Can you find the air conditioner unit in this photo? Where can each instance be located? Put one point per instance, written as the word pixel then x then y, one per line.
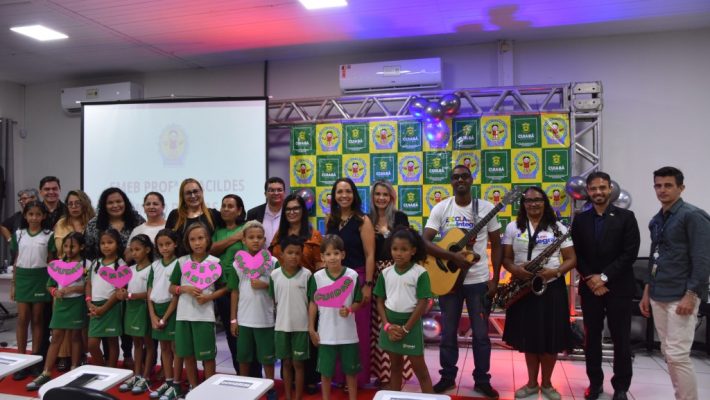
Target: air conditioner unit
pixel 422 73
pixel 73 97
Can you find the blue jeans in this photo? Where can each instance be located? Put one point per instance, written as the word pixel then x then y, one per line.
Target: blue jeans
pixel 451 307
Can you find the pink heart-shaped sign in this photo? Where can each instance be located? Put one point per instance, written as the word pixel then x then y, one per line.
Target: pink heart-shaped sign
pixel 335 294
pixel 65 273
pixel 201 275
pixel 253 266
pixel 118 277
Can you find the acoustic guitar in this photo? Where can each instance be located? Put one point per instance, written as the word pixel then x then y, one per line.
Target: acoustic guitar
pixel 444 275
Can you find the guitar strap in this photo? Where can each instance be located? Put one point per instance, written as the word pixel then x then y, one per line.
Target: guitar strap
pixel 474 208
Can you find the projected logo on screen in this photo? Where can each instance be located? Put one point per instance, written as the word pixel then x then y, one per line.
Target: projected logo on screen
pixel 173 143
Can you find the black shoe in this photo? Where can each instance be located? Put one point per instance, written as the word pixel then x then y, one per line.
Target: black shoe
pixel 618 395
pixel 37 369
pixel 592 392
pixel 63 364
pixel 21 374
pixel 311 388
pixel 443 385
pixel 486 389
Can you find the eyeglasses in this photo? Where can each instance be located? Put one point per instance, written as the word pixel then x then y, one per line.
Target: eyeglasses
pixel 293 210
pixel 73 204
pixel 25 199
pixel 275 191
pixel 193 192
pixel 463 176
pixel 533 200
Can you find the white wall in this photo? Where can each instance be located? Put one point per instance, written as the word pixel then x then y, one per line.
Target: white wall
pixel 12 106
pixel 654 91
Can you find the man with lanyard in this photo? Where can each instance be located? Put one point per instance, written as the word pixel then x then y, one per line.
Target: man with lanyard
pixel 463 212
pixel 269 213
pixel 606 239
pixel 679 267
pixel 50 190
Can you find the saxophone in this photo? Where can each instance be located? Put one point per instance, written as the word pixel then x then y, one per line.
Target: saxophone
pixel 516 289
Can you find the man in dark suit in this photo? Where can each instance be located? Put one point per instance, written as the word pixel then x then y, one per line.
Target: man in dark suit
pixel 606 239
pixel 269 213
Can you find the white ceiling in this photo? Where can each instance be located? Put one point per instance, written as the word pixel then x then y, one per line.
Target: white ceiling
pixel 112 37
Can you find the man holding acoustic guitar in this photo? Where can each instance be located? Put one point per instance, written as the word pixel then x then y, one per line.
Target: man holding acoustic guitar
pixel 458 270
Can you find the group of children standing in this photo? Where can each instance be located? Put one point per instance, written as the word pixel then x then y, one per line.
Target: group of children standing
pixel 277 306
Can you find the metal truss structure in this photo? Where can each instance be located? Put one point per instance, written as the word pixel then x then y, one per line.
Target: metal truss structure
pixel 582 101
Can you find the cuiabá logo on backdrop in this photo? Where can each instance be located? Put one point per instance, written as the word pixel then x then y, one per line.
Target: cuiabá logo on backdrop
pixel 495 193
pixel 303 171
pixel 527 165
pixel 383 136
pixel 329 138
pixel 324 200
pixel 436 194
pixel 471 161
pixel 410 199
pixel 355 169
pixel 495 132
pixel 556 130
pixel 410 168
pixel 173 145
pixel 558 197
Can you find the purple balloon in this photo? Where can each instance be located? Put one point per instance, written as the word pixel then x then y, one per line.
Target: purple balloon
pixel 433 112
pixel 417 106
pixel 450 103
pixel 437 133
pixel 307 195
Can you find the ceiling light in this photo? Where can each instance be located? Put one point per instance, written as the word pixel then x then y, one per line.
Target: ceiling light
pixel 39 32
pixel 317 4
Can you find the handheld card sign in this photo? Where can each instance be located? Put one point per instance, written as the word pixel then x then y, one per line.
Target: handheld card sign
pixel 201 275
pixel 335 294
pixel 65 273
pixel 118 277
pixel 253 266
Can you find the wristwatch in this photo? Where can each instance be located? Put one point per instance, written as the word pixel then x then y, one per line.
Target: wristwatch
pixel 603 277
pixel 370 283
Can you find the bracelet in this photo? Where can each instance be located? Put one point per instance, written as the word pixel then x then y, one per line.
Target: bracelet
pixel 129 295
pixel 387 327
pixel 350 310
pixel 692 293
pixel 53 291
pixel 177 289
pixel 405 329
pixel 234 321
pixel 87 299
pixel 162 322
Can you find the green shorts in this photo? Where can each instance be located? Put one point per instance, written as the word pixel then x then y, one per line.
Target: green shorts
pixel 195 338
pixel 349 358
pixel 108 325
pixel 411 345
pixel 136 321
pixel 168 332
pixel 291 345
pixel 255 340
pixel 69 313
pixel 31 285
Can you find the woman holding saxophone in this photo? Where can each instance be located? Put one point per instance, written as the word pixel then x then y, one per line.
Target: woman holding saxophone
pixel 538 323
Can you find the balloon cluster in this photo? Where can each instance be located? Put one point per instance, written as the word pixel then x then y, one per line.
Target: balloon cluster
pixel 434 114
pixel 576 188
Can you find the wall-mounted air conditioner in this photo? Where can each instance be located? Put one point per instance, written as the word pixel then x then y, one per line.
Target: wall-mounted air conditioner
pixel 73 97
pixel 422 73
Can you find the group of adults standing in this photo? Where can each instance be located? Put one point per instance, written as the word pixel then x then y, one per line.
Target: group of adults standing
pixel 604 244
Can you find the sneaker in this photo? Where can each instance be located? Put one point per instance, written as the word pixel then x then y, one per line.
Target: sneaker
pixel 21 374
pixel 159 391
pixel 271 395
pixel 486 390
pixel 127 385
pixel 550 393
pixel 170 394
pixel 38 382
pixel 140 386
pixel 444 385
pixel 526 391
